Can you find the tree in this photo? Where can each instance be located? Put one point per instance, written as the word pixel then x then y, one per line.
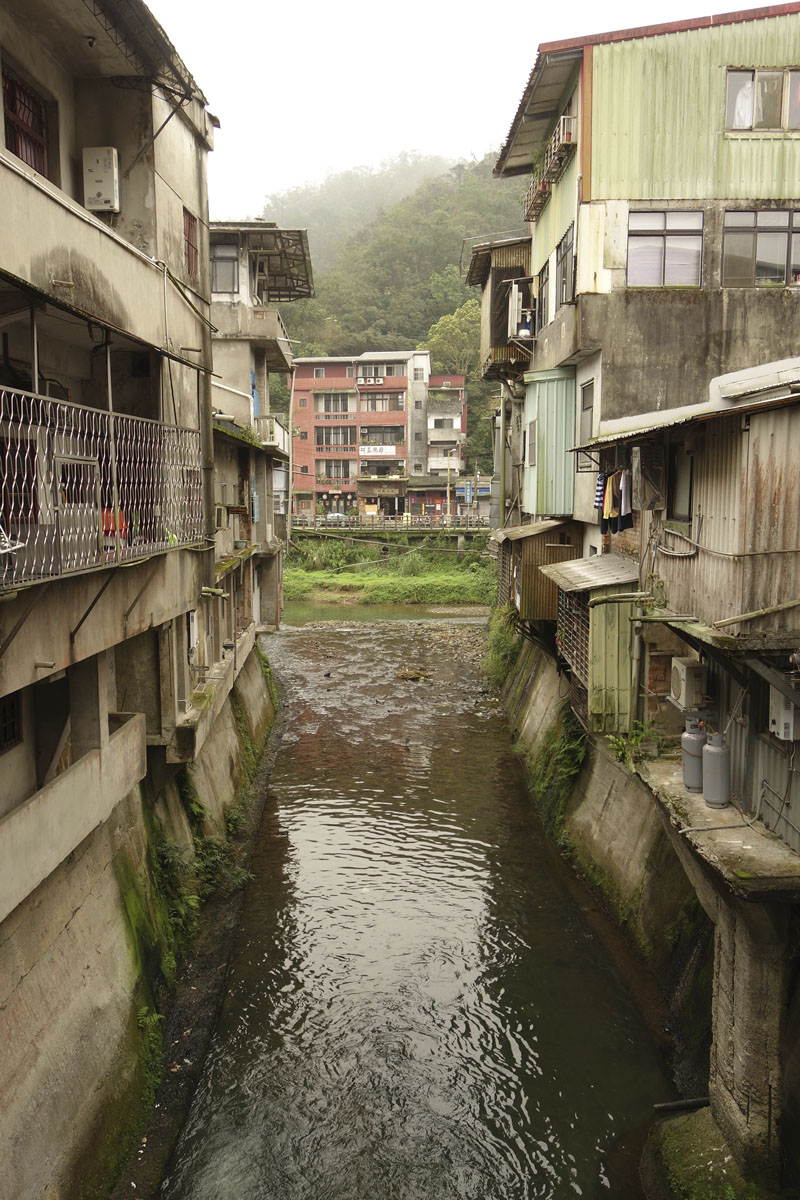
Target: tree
pixel 455 341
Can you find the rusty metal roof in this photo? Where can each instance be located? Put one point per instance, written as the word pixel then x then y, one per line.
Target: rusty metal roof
pixel 585 574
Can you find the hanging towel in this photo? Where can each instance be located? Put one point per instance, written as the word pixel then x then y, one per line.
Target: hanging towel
pixel 600 490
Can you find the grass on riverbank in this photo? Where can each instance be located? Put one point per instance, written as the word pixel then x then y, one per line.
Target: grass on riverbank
pixel 370 572
pixel 379 586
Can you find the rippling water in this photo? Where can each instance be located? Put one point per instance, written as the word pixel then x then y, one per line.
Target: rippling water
pixel 416 1008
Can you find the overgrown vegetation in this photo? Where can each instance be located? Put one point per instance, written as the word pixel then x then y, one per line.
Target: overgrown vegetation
pixel 503 645
pixel 390 573
pixel 554 767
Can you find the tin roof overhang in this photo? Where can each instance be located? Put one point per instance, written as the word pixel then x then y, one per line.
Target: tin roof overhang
pixel 538 109
pixel 585 574
pixel 769 386
pixel 518 532
pixel 481 261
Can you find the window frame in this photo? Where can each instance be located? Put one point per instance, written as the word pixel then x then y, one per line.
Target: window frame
pixel 16 127
pixel 11 733
pixel 228 260
pixel 659 229
pixel 565 268
pixel 191 244
pixel 543 286
pixel 791 230
pixel 784 124
pixel 585 462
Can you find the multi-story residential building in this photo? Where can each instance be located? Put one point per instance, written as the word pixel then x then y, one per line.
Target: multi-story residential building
pixel 647 365
pixel 376 434
pixel 254 265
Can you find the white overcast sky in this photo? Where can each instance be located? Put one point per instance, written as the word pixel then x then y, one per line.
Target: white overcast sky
pixel 307 88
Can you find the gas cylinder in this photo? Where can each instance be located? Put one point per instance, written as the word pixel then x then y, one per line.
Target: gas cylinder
pixel 693 739
pixel 716 772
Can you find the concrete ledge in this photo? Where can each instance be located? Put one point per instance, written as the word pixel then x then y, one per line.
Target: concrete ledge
pixel 192 731
pixel 43 830
pixel 751 860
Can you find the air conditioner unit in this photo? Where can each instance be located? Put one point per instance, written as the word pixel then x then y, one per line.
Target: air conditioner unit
pixel 781 715
pixel 688 683
pixel 378 379
pixel 101 179
pixel 369 380
pixel 192 628
pixel 360 379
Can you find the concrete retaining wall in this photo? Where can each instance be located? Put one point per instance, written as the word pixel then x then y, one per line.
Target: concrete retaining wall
pixel 73 975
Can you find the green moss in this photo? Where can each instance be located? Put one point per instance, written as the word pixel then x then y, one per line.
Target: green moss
pixel 503 645
pixel 690 1161
pixel 553 769
pixel 266 671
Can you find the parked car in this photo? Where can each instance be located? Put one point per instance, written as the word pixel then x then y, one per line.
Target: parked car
pixel 337 518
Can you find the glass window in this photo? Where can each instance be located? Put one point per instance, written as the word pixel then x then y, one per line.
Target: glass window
pixel 542 315
pixel 224 267
pixel 10 722
pixel 585 462
pixel 662 249
pixel 319 372
pixel 565 269
pixel 303 402
pixel 679 498
pixel 25 122
pixel 761 249
pixel 191 254
pixel 765 99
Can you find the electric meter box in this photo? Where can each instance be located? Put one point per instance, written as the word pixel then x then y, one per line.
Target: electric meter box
pixel 782 716
pixel 688 683
pixel 101 179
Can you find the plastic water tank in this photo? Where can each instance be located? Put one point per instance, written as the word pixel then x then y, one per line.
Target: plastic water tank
pixel 693 739
pixel 716 772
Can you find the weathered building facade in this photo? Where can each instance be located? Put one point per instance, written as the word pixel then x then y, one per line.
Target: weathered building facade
pixel 650 394
pixel 376 435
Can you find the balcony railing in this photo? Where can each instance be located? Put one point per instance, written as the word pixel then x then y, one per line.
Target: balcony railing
pixel 334 481
pixel 324 448
pixel 84 488
pixel 273 433
pixel 556 156
pixel 334 416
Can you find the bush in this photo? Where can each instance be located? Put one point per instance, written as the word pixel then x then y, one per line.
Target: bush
pixel 503 645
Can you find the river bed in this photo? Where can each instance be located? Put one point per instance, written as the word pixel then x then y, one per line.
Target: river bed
pixel 417 1007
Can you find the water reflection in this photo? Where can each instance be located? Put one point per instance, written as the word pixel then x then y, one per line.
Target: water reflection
pixel 416 1008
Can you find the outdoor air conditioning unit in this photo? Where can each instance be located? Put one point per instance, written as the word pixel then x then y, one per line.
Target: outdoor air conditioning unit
pixel 360 379
pixel 688 683
pixel 369 380
pixel 378 379
pixel 101 179
pixel 781 715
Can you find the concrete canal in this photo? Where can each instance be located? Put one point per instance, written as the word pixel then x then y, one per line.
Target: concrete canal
pixel 417 1007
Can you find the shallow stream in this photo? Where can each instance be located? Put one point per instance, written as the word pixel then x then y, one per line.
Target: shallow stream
pixel 417 1007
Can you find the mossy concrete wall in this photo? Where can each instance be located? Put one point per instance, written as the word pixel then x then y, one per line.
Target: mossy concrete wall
pixel 84 955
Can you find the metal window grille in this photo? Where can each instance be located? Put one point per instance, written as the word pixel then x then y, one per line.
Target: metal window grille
pixel 10 722
pixel 25 122
pixel 573 631
pixel 82 488
pixel 191 256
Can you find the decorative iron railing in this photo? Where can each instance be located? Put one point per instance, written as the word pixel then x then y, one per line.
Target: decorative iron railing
pixel 82 488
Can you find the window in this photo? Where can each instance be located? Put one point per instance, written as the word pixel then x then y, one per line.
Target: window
pixel 585 462
pixel 665 249
pixel 191 255
pixel 532 444
pixel 319 372
pixel 417 404
pixel 25 122
pixel 303 402
pixel 350 373
pixel 764 99
pixel 542 316
pixel 224 267
pixel 304 470
pixel 417 437
pixel 761 249
pixel 10 722
pixel 679 492
pixel 418 467
pixel 442 422
pixel 382 435
pixel 565 269
pixel 333 402
pixel 303 435
pixel 419 374
pixel 394 369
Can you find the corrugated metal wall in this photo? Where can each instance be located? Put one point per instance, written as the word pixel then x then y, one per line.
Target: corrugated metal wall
pixel 539 595
pixel 557 216
pixel 707 585
pixel 609 664
pixel 658 116
pixel 746 497
pixel 550 402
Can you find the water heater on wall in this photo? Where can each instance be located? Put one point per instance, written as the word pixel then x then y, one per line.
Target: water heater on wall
pixel 101 179
pixel 781 716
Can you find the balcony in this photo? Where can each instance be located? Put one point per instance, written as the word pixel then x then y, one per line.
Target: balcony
pixel 333 481
pixel 440 463
pixel 350 448
pixel 557 154
pixel 258 324
pixel 38 835
pixel 446 435
pixel 67 470
pixel 335 416
pixel 273 434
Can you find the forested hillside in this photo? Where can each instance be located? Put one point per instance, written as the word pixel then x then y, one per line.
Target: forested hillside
pixel 398 282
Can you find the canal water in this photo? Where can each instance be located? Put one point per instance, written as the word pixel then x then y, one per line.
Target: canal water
pixel 417 1008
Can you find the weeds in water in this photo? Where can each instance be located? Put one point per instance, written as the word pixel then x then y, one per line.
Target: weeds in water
pixel 503 645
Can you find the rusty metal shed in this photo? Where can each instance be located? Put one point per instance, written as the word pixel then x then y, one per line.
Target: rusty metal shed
pixel 523 550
